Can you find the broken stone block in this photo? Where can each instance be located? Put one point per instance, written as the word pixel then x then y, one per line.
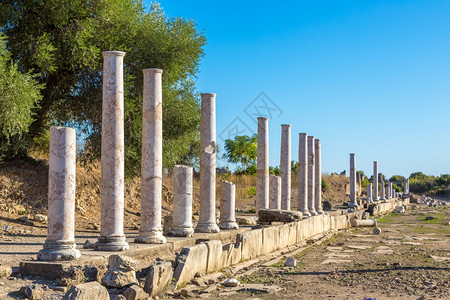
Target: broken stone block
pixel 119 297
pixel 274 215
pixel 290 262
pixel 134 292
pixel 87 291
pixel 231 282
pixel 5 271
pixel 247 220
pixel 363 223
pixel 400 209
pixel 189 262
pixel 40 218
pixel 159 276
pixel 121 272
pixel 32 292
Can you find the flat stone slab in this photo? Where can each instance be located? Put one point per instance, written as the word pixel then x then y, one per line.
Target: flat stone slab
pixel 358 247
pixel 412 243
pixel 334 249
pixel 439 258
pixel 337 255
pixel 275 215
pixel 383 250
pixel 336 261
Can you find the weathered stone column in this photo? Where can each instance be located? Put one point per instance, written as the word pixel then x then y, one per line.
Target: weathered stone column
pixel 151 162
pixel 207 217
pixel 353 202
pixel 275 192
pixel 391 191
pixel 60 243
pixel 302 201
pixel 262 166
pixel 369 193
pixel 182 202
pixel 311 176
pixel 375 181
pixel 406 186
pixel 285 167
pixel 227 206
pixel 112 237
pixel 382 192
pixel 388 192
pixel 318 177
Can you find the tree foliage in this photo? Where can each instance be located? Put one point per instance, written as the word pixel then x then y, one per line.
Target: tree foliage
pixel 62 42
pixel 19 94
pixel 242 150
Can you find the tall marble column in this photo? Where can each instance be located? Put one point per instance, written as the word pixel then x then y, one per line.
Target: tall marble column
pixel 262 165
pixel 318 177
pixel 382 192
pixel 151 162
pixel 227 206
pixel 207 217
pixel 275 192
pixel 375 181
pixel 112 237
pixel 388 192
pixel 285 167
pixel 369 193
pixel 353 202
pixel 311 177
pixel 182 202
pixel 60 243
pixel 406 186
pixel 302 201
pixel 391 190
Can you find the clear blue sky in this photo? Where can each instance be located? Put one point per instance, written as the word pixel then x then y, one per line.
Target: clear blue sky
pixel 369 77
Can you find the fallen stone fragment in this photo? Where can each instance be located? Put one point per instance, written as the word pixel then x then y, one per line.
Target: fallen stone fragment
pixel 335 261
pixel 399 209
pixel 290 262
pixel 274 215
pixel 439 258
pixel 88 245
pixel 119 297
pixel 158 277
pixel 87 291
pixel 259 288
pixel 121 272
pixel 363 223
pixel 231 282
pixel 186 293
pixel 32 292
pixel 358 247
pixel 40 218
pixel 334 249
pixel 5 271
pixel 134 292
pixel 247 220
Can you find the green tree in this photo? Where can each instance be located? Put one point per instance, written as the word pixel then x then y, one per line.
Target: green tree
pixel 62 41
pixel 242 150
pixel 19 94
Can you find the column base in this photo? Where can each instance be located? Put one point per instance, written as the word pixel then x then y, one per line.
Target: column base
pixel 207 228
pixel 313 213
pixel 228 225
pixel 58 252
pixel 305 213
pixel 111 243
pixel 353 205
pixel 319 212
pixel 151 237
pixel 182 232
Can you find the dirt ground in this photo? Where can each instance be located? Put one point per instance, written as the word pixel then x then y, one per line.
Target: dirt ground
pixel 410 259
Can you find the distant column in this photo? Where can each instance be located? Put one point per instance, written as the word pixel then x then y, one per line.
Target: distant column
pixel 262 166
pixel 382 193
pixel 388 192
pixel 285 167
pixel 369 193
pixel 207 216
pixel 391 191
pixel 151 162
pixel 60 243
pixel 275 192
pixel 353 202
pixel 227 206
pixel 375 181
pixel 182 202
pixel 318 177
pixel 112 237
pixel 311 177
pixel 302 201
pixel 406 186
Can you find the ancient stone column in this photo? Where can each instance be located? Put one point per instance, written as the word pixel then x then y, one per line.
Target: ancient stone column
pixel 375 181
pixel 311 176
pixel 382 192
pixel 60 243
pixel 318 177
pixel 227 206
pixel 285 167
pixel 151 162
pixel 112 237
pixel 275 192
pixel 182 202
pixel 369 193
pixel 391 191
pixel 353 202
pixel 302 201
pixel 207 217
pixel 262 166
pixel 388 192
pixel 406 186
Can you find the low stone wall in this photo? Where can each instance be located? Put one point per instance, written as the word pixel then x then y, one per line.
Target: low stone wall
pixel 212 256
